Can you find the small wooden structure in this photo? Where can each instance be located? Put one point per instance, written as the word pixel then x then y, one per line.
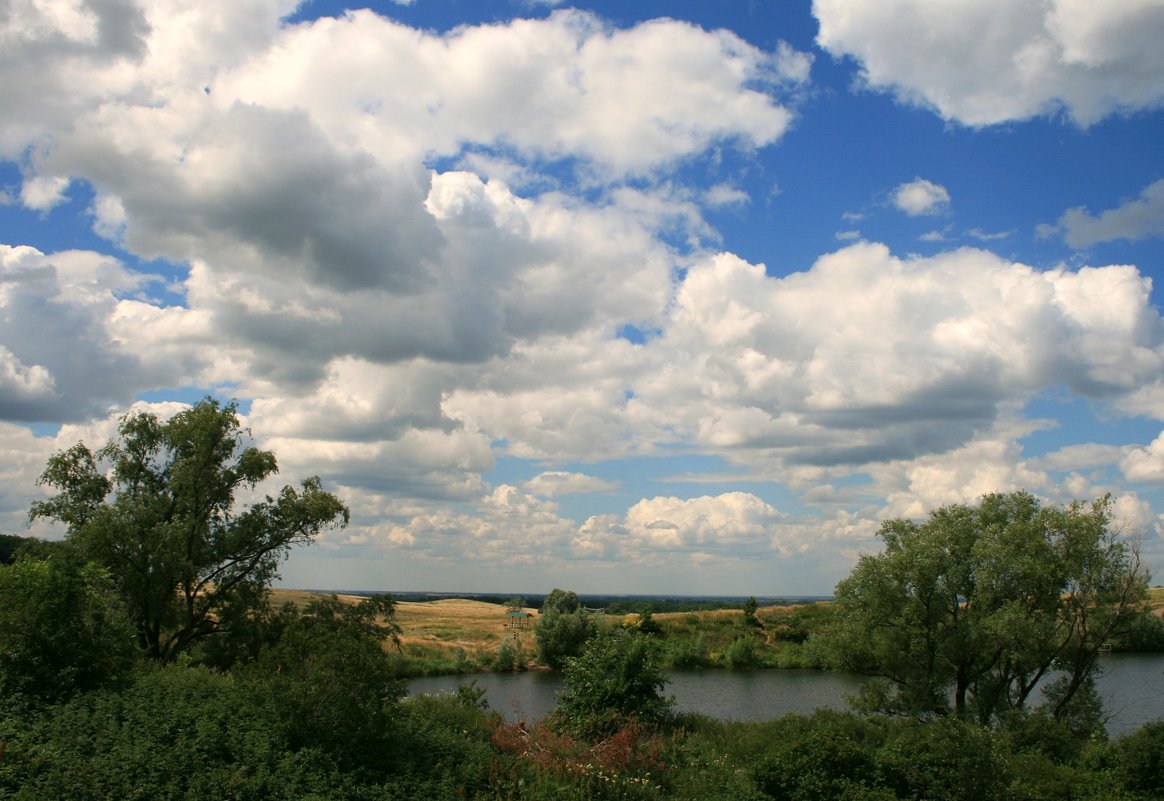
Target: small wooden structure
pixel 517 619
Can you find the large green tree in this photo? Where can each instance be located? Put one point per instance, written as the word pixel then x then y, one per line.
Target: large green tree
pixel 157 507
pixel 971 609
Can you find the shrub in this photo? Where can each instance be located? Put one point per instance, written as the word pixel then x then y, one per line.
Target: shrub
pixel 743 653
pixel 510 656
pixel 1138 760
pixel 62 630
pixel 615 679
pixel 562 630
pixel 945 759
pixel 822 757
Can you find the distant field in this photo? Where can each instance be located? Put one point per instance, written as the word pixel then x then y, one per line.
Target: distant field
pixel 476 627
pixel 453 623
pixel 461 635
pixel 468 633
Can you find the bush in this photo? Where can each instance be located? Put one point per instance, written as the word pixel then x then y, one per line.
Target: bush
pixel 820 758
pixel 562 630
pixel 62 630
pixel 510 656
pixel 175 733
pixel 945 760
pixel 1138 760
pixel 616 678
pixel 687 653
pixel 743 653
pixel 328 682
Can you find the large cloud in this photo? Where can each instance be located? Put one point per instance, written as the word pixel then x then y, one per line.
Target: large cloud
pixel 564 87
pixel 285 164
pixel 298 150
pixel 79 335
pixel 991 61
pixel 865 358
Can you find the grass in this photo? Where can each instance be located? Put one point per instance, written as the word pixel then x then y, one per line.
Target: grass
pixel 1156 598
pixel 453 635
pixel 473 626
pixel 458 635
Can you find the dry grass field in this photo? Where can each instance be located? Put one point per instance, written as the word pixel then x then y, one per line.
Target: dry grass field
pixel 446 625
pixel 1156 600
pixel 454 623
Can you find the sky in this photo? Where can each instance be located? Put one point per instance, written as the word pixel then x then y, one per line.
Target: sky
pixel 622 297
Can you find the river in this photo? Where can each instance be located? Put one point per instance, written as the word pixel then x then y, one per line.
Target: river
pixel 1132 686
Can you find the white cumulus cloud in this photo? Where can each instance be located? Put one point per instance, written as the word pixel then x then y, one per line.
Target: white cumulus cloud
pixel 992 61
pixel 921 197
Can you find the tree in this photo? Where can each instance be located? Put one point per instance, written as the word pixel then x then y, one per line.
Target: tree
pixel 563 628
pixel 565 601
pixel 978 604
pixel 162 517
pixel 515 604
pixel 614 680
pixel 750 609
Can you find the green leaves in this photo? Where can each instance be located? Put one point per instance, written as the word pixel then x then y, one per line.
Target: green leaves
pixel 616 678
pixel 976 604
pixel 157 507
pixel 62 630
pixel 563 628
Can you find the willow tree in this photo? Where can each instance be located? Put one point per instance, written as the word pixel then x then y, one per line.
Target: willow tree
pixel 157 507
pixel 971 610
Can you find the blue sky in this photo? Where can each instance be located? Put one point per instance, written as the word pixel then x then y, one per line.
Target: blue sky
pixel 652 297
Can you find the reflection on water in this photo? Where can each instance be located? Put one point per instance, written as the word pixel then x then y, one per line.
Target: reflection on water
pixel 1132 686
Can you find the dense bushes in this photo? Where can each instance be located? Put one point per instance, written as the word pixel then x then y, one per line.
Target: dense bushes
pixel 563 628
pixel 615 680
pixel 62 630
pixel 186 732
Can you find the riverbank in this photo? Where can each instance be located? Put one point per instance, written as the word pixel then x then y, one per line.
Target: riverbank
pixel 463 636
pixel 466 636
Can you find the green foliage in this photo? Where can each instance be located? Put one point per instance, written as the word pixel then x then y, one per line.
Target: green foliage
pixel 1137 761
pixel 565 601
pixel 176 733
pixel 510 656
pixel 643 623
pixel 328 681
pixel 978 603
pixel 796 624
pixel 688 652
pixel 750 607
pixel 163 520
pixel 743 653
pixel 1144 633
pixel 515 604
pixel 697 640
pixel 10 545
pixel 563 628
pixel 62 630
pixel 615 679
pixel 945 760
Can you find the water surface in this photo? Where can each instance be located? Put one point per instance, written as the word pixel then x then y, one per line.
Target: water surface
pixel 1132 686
